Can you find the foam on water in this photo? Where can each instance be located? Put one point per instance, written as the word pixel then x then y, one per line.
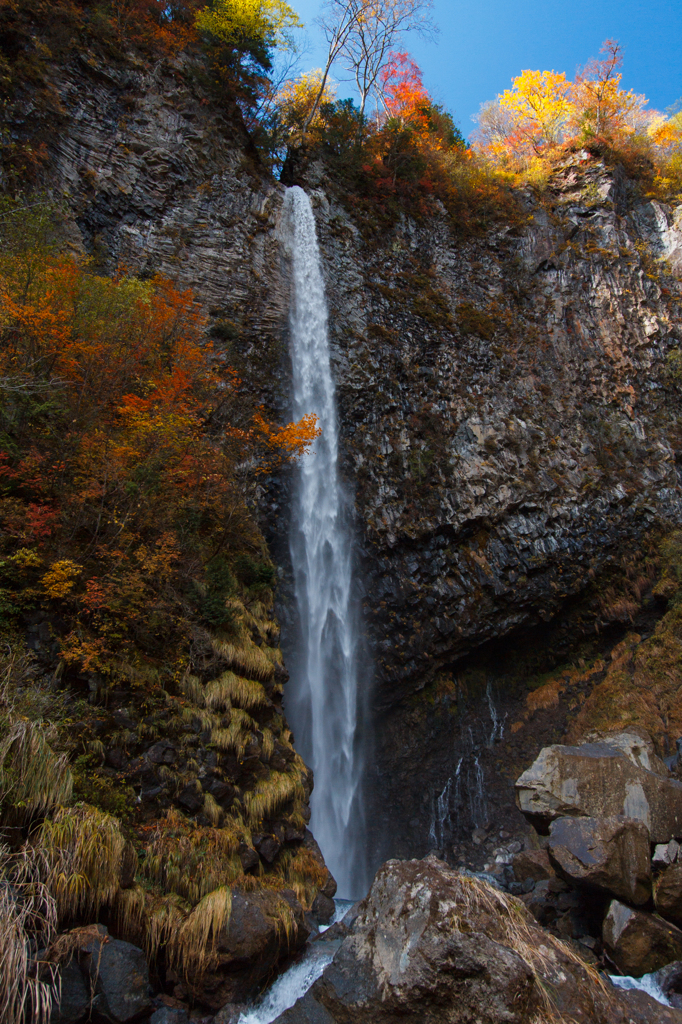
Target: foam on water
pixel 647 983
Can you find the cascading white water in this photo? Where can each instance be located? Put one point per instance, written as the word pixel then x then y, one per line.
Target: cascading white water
pixel 322 698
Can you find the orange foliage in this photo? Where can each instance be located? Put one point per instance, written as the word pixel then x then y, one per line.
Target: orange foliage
pixel 111 469
pixel 403 91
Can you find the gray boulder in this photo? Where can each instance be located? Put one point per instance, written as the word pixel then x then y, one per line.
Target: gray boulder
pixel 432 946
pixel 607 854
pixel 618 776
pixel 105 977
pixel 119 978
pixel 639 943
pixel 75 996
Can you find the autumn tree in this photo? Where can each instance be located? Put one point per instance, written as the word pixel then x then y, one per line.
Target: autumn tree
pixel 127 451
pixel 369 48
pixel 600 108
pixel 402 87
pixel 292 104
pixel 538 106
pixel 361 34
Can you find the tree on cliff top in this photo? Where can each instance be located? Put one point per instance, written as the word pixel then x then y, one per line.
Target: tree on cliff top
pixel 239 22
pixel 361 35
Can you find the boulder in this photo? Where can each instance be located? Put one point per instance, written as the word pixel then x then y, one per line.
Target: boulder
pixel 430 945
pixel 639 943
pixel 532 865
pixel 608 854
pixel 268 847
pixel 668 894
pixel 74 997
pixel 249 858
pixel 669 980
pixel 106 975
pixel 602 780
pixel 118 976
pixel 264 928
pixel 661 857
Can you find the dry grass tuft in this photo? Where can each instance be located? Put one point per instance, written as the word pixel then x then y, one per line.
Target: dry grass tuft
pixel 33 779
pixel 268 745
pixel 192 862
pixel 79 854
pixel 231 689
pixel 192 947
pixel 213 810
pixel 28 919
pixel 269 795
pixel 245 658
pixel 237 734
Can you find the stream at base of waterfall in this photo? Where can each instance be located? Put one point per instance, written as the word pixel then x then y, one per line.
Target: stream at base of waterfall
pixel 296 981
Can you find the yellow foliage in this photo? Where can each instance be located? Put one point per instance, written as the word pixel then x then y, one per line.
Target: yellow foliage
pixel 296 98
pixel 237 21
pixel 539 107
pixel 60 578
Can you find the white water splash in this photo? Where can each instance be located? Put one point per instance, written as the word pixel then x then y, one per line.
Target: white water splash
pixel 648 983
pixel 295 982
pixel 291 985
pixel 322 699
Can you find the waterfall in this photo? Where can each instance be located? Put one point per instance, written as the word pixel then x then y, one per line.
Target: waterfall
pixel 322 698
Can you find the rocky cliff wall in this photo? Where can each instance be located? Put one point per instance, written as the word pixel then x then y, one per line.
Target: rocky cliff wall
pixel 512 438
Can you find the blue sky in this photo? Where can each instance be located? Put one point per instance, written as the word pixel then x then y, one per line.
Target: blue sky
pixel 482 44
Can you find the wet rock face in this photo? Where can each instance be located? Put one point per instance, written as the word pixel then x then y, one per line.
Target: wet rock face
pixel 497 397
pixel 600 780
pixel 507 427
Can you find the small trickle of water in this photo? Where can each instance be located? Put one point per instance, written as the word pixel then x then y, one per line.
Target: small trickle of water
pixel 648 983
pixel 440 830
pixel 498 723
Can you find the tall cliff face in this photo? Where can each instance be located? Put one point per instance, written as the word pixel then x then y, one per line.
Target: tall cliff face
pixel 158 179
pixel 508 408
pixel 512 435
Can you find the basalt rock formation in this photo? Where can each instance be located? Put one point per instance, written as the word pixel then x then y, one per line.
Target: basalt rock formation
pixel 508 412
